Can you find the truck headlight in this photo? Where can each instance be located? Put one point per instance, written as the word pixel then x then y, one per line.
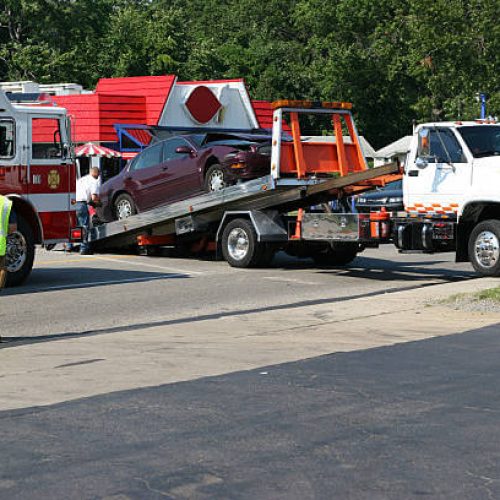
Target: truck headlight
pixel 396 199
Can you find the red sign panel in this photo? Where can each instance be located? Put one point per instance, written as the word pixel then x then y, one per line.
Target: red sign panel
pixel 202 104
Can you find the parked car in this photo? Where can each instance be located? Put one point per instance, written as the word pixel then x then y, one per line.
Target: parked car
pixel 174 169
pixel 390 197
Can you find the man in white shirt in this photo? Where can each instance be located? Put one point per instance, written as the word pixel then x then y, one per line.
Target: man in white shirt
pixel 87 192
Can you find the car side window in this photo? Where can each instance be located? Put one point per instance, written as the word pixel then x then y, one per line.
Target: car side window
pixel 148 158
pixel 170 147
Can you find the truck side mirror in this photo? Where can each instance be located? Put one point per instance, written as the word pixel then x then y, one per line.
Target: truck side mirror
pixel 66 150
pixel 421 162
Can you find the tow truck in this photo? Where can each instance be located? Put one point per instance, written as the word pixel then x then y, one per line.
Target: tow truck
pixel 249 222
pixel 451 199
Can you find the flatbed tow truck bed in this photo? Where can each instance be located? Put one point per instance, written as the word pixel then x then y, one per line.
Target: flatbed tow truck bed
pixel 257 194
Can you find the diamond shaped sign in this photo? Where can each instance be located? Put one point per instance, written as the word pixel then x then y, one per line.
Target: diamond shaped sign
pixel 202 104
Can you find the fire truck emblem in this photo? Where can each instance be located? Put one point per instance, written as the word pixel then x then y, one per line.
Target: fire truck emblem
pixel 53 179
pixel 202 105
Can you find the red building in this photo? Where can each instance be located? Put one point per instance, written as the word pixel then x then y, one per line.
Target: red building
pixel 131 100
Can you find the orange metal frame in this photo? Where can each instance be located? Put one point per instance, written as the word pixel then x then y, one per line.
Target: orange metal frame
pixel 305 158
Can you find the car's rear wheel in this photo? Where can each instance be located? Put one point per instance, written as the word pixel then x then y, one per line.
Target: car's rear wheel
pixel 215 179
pixel 124 206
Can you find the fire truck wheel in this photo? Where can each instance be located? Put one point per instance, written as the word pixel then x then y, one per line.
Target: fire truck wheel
pixel 240 247
pixel 484 248
pixel 124 206
pixel 215 179
pixel 338 256
pixel 20 253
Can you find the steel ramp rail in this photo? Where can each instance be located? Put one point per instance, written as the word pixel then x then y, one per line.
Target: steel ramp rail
pixel 257 194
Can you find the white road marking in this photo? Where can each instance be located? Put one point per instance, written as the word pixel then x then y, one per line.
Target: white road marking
pixel 141 264
pixel 291 280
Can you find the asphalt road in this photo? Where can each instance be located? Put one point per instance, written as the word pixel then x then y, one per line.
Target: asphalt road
pixel 415 420
pixel 69 293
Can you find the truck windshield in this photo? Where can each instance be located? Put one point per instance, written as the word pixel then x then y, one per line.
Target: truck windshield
pixel 482 140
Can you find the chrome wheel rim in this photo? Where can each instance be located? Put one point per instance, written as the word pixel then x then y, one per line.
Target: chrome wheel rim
pixel 216 181
pixel 487 249
pixel 238 243
pixel 17 252
pixel 123 209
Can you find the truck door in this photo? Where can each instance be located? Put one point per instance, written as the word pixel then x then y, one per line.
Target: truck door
pixel 438 173
pixel 50 175
pixel 12 169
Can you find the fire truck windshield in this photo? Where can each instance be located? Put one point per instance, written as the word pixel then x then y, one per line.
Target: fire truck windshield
pixel 482 140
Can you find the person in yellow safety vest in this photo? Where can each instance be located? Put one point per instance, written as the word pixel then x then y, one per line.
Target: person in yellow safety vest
pixel 7 225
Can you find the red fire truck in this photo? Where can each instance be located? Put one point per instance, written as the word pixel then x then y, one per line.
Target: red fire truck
pixel 38 173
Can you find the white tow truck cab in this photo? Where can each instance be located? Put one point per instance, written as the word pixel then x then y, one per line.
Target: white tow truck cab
pixel 451 192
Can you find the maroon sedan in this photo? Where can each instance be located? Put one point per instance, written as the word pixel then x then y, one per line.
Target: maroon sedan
pixel 169 171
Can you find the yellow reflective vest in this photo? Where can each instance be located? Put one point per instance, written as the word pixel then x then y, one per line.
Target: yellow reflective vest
pixel 5 206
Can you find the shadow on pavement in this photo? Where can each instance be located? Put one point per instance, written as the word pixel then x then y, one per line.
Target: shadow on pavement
pixel 50 279
pixel 380 269
pixel 414 420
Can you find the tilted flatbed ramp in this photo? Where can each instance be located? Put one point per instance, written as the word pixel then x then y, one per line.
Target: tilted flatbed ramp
pixel 257 194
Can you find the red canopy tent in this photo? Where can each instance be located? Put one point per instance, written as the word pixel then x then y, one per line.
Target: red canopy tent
pixel 91 149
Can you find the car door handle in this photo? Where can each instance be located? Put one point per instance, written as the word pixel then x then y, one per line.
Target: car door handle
pixel 413 173
pixel 164 168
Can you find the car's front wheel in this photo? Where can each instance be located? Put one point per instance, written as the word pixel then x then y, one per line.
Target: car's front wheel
pixel 124 206
pixel 215 179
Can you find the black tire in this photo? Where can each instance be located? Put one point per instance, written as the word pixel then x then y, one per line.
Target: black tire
pixel 20 253
pixel 215 179
pixel 245 253
pixel 340 255
pixel 122 201
pixel 484 248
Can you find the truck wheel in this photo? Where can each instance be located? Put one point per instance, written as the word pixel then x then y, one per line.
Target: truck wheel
pixel 20 253
pixel 124 206
pixel 338 256
pixel 240 247
pixel 484 248
pixel 215 180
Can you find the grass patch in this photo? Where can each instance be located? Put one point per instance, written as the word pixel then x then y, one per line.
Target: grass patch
pixel 487 301
pixel 492 294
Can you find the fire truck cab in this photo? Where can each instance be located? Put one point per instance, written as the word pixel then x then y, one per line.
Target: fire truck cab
pixel 37 172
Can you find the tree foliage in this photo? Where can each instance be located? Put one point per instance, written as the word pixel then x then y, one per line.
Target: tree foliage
pixel 397 61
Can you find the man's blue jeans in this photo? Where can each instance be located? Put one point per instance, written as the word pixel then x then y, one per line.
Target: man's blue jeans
pixel 82 215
